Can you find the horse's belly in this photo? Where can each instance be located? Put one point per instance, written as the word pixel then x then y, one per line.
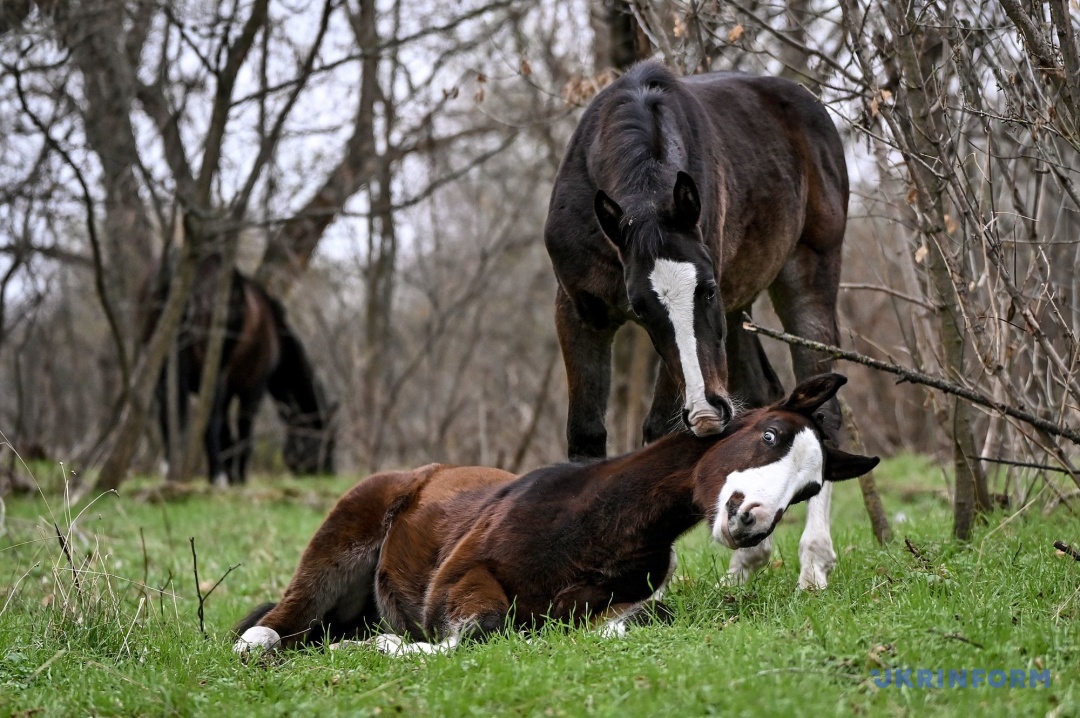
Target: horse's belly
pixel 751 269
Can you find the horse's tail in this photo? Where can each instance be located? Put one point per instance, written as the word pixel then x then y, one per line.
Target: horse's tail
pixel 252 618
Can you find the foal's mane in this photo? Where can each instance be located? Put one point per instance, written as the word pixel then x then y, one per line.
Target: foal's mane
pixel 641 149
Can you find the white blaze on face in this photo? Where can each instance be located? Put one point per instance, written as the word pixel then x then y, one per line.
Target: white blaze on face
pixel 773 486
pixel 675 283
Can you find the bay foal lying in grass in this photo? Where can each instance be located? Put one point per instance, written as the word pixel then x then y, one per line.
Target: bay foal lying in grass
pixel 443 553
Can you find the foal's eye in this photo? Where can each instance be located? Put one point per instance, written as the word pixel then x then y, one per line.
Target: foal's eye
pixel 769 437
pixel 709 292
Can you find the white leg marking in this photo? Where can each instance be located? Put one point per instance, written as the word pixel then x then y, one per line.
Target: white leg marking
pixel 257 637
pixel 816 555
pixel 163 467
pixel 394 645
pixel 221 480
pixel 616 627
pixel 745 561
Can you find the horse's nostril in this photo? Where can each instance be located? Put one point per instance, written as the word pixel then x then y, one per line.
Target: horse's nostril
pixel 722 406
pixel 686 417
pixel 746 518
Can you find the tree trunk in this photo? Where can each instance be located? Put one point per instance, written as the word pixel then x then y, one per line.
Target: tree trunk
pixel 125 437
pixel 211 368
pixel 924 153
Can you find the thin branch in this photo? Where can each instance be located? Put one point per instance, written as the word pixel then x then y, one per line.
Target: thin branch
pixel 917 377
pixel 91 225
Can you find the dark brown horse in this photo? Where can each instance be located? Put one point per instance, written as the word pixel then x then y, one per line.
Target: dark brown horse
pixel 678 202
pixel 261 355
pixel 443 553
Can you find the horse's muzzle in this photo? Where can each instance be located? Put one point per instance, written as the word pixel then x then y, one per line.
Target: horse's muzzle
pixel 710 418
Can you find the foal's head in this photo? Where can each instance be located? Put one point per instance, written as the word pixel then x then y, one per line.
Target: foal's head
pixel 672 290
pixel 772 458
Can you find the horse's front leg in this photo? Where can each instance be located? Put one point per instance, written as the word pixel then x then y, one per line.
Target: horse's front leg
pixel 745 561
pixel 217 437
pixel 816 554
pixel 665 414
pixel 249 405
pixel 804 297
pixel 586 350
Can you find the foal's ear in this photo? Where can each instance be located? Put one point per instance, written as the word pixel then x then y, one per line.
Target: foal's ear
pixel 813 392
pixel 687 201
pixel 840 465
pixel 610 214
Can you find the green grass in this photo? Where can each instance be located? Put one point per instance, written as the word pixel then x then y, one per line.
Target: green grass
pixel 1004 601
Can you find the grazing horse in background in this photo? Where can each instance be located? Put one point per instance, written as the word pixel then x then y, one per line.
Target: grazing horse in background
pixel 444 553
pixel 680 200
pixel 261 354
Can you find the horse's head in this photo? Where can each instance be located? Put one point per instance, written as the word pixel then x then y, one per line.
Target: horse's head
pixel 309 443
pixel 672 290
pixel 770 459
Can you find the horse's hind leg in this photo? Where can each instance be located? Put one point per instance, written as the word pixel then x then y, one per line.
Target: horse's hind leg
pixel 336 576
pixel 804 296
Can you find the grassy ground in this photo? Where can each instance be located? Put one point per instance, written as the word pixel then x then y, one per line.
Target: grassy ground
pixel 1006 601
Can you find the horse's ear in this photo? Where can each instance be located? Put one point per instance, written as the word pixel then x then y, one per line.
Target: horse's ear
pixel 812 393
pixel 610 214
pixel 687 201
pixel 840 465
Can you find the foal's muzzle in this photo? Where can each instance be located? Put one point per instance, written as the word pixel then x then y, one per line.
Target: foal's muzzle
pixel 746 526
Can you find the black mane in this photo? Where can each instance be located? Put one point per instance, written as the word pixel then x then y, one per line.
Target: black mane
pixel 643 149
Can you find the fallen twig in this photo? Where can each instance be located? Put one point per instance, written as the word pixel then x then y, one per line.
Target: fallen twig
pixel 914 550
pixel 960 637
pixel 67 552
pixel 198 590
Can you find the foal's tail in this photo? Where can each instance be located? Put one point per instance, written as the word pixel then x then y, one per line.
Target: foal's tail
pixel 252 618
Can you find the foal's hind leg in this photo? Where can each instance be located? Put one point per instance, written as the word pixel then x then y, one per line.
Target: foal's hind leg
pixel 804 296
pixel 336 576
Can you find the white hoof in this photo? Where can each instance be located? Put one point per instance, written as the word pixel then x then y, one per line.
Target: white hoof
pixel 257 637
pixel 613 629
pixel 745 561
pixel 346 644
pixel 388 643
pixel 816 560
